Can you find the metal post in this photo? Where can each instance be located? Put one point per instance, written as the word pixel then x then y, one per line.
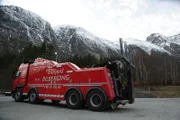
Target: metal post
pixel 121 45
pixel 56 56
pixel 126 49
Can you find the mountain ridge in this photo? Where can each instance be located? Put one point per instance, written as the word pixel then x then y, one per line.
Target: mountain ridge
pixel 19 27
pixel 169 43
pixel 73 37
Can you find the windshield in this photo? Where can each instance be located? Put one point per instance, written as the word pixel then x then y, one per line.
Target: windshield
pixel 18 73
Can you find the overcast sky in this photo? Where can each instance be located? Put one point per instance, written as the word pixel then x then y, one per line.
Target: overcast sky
pixel 110 19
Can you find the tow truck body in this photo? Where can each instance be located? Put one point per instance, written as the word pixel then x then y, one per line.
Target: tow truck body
pixel 98 87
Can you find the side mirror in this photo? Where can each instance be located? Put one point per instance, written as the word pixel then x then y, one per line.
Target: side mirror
pixel 16 74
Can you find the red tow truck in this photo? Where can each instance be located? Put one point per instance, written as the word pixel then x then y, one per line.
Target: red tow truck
pixel 99 87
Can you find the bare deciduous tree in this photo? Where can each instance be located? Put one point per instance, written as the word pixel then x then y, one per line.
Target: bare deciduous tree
pixel 165 71
pixel 173 71
pixel 144 72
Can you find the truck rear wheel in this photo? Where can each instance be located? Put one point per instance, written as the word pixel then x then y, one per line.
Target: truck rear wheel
pixel 18 97
pixel 96 100
pixel 73 100
pixel 33 97
pixel 55 101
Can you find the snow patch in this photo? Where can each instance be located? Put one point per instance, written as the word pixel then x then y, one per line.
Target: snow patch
pixel 40 37
pixel 70 49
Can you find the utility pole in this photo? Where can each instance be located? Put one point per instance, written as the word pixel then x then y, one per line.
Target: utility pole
pixel 56 56
pixel 121 46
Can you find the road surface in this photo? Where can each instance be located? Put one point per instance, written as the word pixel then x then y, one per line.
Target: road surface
pixel 142 109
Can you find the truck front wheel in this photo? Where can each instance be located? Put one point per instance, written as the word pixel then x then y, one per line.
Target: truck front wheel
pixel 73 100
pixel 18 97
pixel 33 97
pixel 96 100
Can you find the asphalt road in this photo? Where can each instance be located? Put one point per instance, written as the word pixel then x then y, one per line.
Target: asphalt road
pixel 142 109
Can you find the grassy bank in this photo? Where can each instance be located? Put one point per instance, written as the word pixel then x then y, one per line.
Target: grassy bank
pixel 158 91
pixel 4 90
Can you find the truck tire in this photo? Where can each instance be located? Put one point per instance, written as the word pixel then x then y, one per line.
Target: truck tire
pixel 18 96
pixel 73 100
pixel 55 101
pixel 96 100
pixel 33 97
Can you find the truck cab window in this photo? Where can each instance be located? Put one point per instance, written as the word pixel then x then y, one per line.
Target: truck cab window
pixel 18 74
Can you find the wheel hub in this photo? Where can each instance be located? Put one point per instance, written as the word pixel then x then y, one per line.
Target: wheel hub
pixel 17 95
pixel 32 97
pixel 73 99
pixel 95 100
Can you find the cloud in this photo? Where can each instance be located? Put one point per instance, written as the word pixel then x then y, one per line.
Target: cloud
pixel 1 2
pixel 139 18
pixel 110 19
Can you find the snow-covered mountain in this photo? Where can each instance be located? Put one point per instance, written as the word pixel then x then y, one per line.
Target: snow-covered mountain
pixel 146 46
pixel 76 40
pixel 19 27
pixel 169 43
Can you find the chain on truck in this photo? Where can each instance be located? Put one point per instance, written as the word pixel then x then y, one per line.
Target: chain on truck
pixel 103 86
